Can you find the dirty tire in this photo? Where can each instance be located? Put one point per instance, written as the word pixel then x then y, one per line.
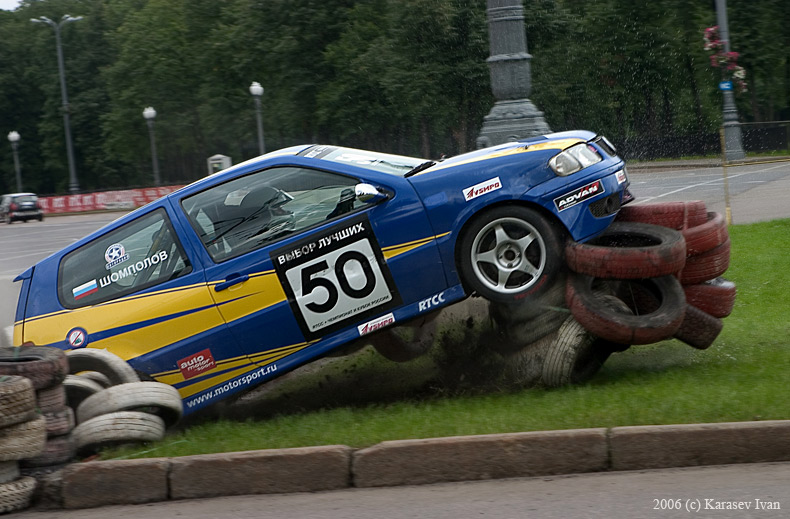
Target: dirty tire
pixel 51 399
pixel 17 400
pixel 509 253
pixel 112 366
pixel 9 471
pixel 573 357
pixel 395 344
pixel 97 377
pixel 45 366
pixel 706 266
pixel 152 397
pixel 59 422
pixel 78 389
pixel 629 250
pixel 23 440
pixel 698 329
pixel 705 237
pixel 117 429
pixel 56 451
pixel 15 495
pixel 612 324
pixel 511 338
pixel 715 297
pixel 675 215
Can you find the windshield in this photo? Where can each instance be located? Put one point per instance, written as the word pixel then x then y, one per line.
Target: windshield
pixel 383 162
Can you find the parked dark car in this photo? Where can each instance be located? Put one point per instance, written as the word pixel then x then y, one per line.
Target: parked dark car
pixel 20 206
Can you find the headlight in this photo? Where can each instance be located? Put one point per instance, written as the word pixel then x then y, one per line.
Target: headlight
pixel 574 159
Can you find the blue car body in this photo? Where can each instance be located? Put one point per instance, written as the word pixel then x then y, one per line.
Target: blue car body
pixel 212 304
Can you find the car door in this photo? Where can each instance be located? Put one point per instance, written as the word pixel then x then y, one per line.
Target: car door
pixel 298 261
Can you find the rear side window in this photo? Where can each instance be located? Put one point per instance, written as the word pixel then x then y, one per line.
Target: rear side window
pixel 138 255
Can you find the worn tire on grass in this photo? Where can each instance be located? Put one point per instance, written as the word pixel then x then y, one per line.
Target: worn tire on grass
pixel 705 237
pixel 715 297
pixel 674 215
pixel 17 400
pixel 59 422
pixel 51 399
pixel 152 397
pixel 698 329
pixel 9 471
pixel 117 429
pixel 23 440
pixel 573 357
pixel 45 366
pixel 78 389
pixel 15 495
pixel 629 250
pixel 109 364
pixel 56 451
pixel 95 376
pixel 607 322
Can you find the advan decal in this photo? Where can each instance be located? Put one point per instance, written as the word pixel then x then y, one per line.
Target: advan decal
pixel 577 196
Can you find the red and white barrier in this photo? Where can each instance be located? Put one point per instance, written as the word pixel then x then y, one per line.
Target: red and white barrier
pixel 104 200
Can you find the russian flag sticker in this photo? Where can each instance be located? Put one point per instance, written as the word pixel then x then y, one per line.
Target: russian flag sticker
pixel 85 290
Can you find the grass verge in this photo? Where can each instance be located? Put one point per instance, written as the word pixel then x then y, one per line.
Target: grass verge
pixel 363 399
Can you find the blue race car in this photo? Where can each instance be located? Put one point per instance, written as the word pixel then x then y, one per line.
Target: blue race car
pixel 256 270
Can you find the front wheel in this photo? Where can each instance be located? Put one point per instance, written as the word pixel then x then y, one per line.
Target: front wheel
pixel 510 253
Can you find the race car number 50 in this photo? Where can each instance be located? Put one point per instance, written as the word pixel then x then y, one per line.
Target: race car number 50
pixel 335 277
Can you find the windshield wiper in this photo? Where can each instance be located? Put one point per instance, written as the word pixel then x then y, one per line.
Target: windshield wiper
pixel 421 167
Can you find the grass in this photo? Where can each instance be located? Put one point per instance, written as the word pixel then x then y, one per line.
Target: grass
pixel 363 399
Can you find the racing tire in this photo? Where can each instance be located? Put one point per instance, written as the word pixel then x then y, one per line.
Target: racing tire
pixel 629 250
pixel 23 440
pixel 698 329
pixel 706 266
pixel 16 495
pixel 510 253
pixel 109 364
pixel 51 399
pixel 9 471
pixel 56 451
pixel 17 400
pixel 715 297
pixel 705 237
pixel 45 366
pixel 78 389
pixel 151 397
pixel 395 344
pixel 674 215
pixel 117 429
pixel 573 357
pixel 624 327
pixel 59 422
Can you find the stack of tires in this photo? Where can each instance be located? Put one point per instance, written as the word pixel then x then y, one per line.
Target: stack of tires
pixel 112 405
pixel 34 421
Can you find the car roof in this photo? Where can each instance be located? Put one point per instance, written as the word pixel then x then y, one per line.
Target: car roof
pixel 20 194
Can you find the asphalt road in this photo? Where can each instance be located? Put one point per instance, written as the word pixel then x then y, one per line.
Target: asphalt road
pixel 664 494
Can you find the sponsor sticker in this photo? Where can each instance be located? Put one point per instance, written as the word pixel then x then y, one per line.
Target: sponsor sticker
pixel 482 188
pixel 376 324
pixel 431 302
pixel 86 289
pixel 115 255
pixel 577 196
pixel 77 338
pixel 196 364
pixel 621 176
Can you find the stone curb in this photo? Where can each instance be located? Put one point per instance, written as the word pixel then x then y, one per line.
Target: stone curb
pixel 414 462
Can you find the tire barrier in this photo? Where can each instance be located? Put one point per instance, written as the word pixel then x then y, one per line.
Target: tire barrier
pixel 653 275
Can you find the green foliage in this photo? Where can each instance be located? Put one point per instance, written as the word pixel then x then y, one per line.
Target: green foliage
pixel 363 399
pixel 403 76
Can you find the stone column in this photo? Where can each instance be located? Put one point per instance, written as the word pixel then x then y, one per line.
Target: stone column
pixel 513 116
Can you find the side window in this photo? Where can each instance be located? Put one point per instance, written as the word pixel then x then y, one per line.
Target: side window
pixel 138 255
pixel 250 212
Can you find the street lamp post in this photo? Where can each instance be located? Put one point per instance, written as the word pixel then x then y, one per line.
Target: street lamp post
pixel 150 114
pixel 73 183
pixel 13 138
pixel 733 140
pixel 257 92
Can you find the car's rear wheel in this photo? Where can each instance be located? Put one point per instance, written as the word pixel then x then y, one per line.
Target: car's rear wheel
pixel 509 253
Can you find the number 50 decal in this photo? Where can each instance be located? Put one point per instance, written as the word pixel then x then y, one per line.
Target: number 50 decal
pixel 336 277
